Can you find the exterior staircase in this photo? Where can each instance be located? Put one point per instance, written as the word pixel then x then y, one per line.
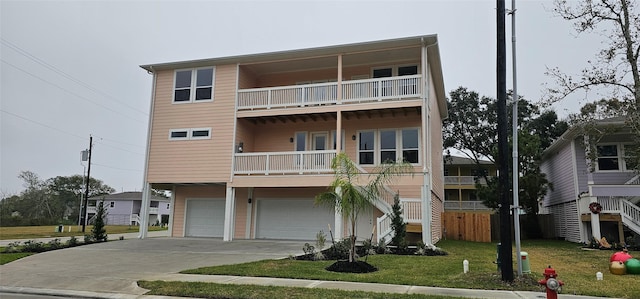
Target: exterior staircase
pixel 411 211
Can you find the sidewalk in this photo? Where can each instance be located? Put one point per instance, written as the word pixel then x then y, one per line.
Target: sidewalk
pixel 303 283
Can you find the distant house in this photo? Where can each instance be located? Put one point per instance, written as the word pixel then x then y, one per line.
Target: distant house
pixel 460 176
pixel 124 208
pixel 592 204
pixel 245 142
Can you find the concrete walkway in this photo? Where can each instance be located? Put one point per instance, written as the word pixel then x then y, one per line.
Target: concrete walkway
pixel 110 270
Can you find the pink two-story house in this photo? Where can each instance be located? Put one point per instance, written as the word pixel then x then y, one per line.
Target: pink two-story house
pixel 245 143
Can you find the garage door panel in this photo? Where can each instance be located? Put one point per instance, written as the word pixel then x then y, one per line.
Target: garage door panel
pixel 296 219
pixel 205 218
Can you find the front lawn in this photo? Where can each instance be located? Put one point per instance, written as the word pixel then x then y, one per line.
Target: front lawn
pixel 576 268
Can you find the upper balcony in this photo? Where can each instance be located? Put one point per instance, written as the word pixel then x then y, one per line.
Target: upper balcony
pixel 468 181
pixel 346 92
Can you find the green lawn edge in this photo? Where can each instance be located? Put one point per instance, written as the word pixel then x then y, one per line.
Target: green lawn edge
pixel 233 291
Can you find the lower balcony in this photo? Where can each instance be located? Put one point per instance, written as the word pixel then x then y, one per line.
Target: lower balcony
pixel 283 163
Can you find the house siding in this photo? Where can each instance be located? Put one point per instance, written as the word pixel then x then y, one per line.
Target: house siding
pixel 437 171
pixel 193 161
pixel 559 170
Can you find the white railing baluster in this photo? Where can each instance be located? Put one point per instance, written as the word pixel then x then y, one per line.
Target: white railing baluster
pixel 376 89
pixel 270 163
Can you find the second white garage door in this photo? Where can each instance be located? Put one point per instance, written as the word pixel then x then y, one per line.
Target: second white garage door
pixel 295 219
pixel 205 218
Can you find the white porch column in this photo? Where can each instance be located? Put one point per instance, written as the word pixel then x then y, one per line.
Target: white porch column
pixel 144 211
pixel 229 213
pixel 426 153
pixel 338 225
pixel 250 200
pixel 595 221
pixel 172 210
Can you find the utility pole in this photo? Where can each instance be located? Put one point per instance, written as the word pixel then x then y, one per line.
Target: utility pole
pixel 516 174
pixel 86 187
pixel 506 265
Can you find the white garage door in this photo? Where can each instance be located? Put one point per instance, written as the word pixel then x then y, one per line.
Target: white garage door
pixel 295 219
pixel 205 218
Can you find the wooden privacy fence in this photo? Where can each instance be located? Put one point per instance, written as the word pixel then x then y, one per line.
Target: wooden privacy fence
pixel 467 226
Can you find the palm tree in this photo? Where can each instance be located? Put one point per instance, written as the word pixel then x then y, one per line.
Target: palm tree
pixel 349 197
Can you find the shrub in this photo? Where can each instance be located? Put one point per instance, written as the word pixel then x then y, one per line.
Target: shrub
pixel 339 250
pixel 398 225
pixel 308 249
pixel 55 244
pixel 88 239
pixel 73 241
pixel 98 231
pixel 382 247
pixel 13 247
pixel 321 239
pixel 33 246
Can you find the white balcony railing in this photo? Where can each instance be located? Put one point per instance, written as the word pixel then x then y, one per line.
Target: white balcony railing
pixel 377 89
pixel 463 180
pixel 271 163
pixel 411 210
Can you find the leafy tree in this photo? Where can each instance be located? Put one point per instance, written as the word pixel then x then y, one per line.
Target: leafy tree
pixel 471 128
pixel 398 225
pixel 69 190
pixel 350 197
pixel 614 71
pixel 98 232
pixel 48 201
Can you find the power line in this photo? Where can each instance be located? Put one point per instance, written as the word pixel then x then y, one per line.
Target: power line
pixel 120 142
pixel 117 168
pixel 119 148
pixel 62 73
pixel 68 91
pixel 43 125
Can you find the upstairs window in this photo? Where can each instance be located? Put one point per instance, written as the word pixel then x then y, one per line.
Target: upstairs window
pixel 193 85
pixel 608 157
pixel 615 157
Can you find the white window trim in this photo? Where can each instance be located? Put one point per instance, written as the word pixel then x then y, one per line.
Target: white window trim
pixel 358 150
pixel 620 155
pixel 191 137
pixel 189 134
pixel 192 90
pixel 394 68
pixel 377 146
pixel 179 130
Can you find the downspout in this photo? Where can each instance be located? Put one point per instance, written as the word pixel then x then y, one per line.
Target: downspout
pixel 144 208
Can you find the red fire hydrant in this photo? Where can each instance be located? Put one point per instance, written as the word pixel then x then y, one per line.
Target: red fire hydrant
pixel 551 283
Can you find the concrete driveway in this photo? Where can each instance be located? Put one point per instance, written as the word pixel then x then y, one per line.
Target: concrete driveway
pixel 115 266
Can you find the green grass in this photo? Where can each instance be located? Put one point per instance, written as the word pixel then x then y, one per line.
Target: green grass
pixel 48 231
pixel 231 291
pixel 10 257
pixel 576 267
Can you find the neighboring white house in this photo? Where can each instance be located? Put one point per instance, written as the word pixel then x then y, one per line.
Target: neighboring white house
pixel 124 208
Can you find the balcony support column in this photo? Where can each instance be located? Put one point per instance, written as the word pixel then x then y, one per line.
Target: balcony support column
pixel 339 131
pixel 339 91
pixel 229 214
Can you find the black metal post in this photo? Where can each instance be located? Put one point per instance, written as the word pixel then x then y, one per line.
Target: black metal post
pixel 503 147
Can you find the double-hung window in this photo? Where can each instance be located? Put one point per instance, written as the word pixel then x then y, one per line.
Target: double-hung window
pixel 615 157
pixel 410 145
pixel 608 157
pixel 366 149
pixel 194 85
pixel 387 146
